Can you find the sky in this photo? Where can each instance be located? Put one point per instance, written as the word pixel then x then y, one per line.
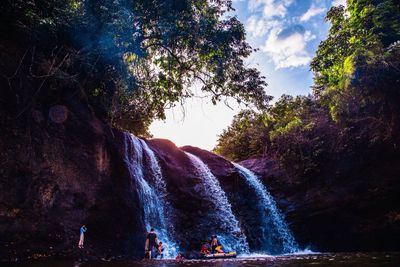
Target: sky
pixel 286 34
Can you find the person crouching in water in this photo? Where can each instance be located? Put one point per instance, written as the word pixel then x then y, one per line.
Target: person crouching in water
pixel 82 232
pixel 160 250
pixel 215 245
pixel 179 257
pixel 151 242
pixel 204 249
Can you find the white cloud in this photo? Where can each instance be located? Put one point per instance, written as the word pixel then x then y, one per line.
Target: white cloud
pixel 270 8
pixel 258 27
pixel 255 4
pixel 288 51
pixel 313 11
pixel 339 2
pixel 285 41
pixel 274 10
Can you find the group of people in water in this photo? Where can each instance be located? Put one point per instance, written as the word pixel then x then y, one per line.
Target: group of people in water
pixel 212 246
pixel 153 245
pixel 155 248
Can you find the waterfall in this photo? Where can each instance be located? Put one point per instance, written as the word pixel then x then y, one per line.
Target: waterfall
pixel 226 225
pixel 274 228
pixel 152 199
pixel 216 215
pixel 155 170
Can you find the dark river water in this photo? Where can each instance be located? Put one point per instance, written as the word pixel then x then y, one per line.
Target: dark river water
pixel 324 259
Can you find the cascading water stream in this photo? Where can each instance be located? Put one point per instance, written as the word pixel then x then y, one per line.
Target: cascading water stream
pixel 167 232
pixel 153 201
pixel 155 169
pixel 229 232
pixel 273 221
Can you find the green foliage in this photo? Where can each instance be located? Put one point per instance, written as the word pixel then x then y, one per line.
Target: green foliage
pixel 245 136
pixel 356 99
pixel 358 37
pixel 258 133
pixel 131 59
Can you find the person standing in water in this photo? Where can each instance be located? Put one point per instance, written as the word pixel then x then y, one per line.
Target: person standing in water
pixel 82 236
pixel 151 242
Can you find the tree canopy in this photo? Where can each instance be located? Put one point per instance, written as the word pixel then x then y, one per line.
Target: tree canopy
pixel 129 59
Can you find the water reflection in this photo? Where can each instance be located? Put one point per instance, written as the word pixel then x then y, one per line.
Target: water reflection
pixel 325 259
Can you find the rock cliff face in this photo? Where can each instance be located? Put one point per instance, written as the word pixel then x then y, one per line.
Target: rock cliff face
pixel 65 168
pixel 55 177
pixel 352 210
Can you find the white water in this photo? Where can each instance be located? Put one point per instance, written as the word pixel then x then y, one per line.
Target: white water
pixel 231 236
pixel 306 251
pixel 155 168
pixel 273 217
pixel 152 199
